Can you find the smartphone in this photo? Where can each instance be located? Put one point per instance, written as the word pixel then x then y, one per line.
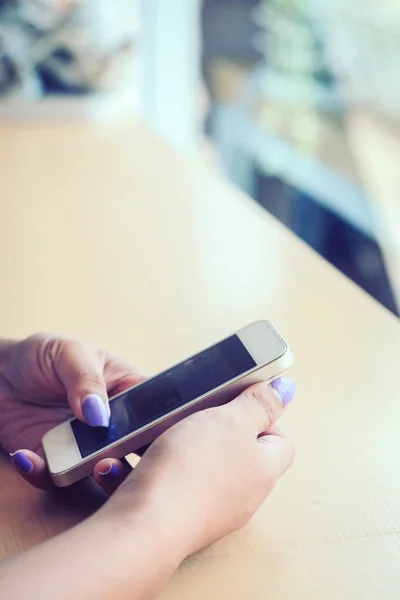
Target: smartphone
pixel 140 414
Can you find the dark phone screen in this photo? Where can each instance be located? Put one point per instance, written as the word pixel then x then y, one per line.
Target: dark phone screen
pixel 164 393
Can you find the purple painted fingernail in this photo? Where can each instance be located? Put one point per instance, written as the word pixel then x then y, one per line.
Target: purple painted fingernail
pixel 112 473
pixel 285 388
pixel 95 411
pixel 21 461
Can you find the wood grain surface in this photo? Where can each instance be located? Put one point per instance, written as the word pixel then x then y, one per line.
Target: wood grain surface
pixel 109 235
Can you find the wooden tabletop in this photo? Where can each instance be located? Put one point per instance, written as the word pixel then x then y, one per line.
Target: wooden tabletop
pixel 109 235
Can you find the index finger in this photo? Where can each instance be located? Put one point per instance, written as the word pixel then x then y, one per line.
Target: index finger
pixel 81 370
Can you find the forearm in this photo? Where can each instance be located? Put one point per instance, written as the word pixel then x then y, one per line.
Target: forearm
pixel 107 557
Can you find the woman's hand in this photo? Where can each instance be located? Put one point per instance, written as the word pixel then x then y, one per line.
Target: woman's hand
pixel 201 480
pixel 45 380
pixel 206 476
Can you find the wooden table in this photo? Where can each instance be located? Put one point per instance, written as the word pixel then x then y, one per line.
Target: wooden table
pixel 108 234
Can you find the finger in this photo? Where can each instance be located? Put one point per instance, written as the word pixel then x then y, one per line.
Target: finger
pixel 32 468
pixel 126 379
pixel 120 375
pixel 109 473
pixel 80 369
pixel 117 367
pixel 263 403
pixel 279 454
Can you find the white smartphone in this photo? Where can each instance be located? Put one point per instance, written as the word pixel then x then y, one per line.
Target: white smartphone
pixel 139 415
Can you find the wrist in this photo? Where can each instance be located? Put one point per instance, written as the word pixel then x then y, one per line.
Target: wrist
pixel 138 514
pixel 134 544
pixel 117 553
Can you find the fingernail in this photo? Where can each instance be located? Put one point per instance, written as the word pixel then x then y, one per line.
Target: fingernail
pixel 21 461
pixel 285 389
pixel 112 473
pixel 95 411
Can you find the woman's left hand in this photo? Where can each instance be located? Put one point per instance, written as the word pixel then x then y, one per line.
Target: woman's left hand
pixel 45 380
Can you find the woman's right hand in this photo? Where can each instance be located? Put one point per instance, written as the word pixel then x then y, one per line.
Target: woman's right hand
pixel 206 477
pixel 199 481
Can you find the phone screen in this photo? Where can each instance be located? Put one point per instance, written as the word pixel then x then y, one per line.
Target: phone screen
pixel 164 393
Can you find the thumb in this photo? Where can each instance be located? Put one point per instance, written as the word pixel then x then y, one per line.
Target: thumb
pixel 80 369
pixel 262 404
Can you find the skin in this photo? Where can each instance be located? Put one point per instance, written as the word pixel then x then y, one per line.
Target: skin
pixel 201 480
pixel 43 381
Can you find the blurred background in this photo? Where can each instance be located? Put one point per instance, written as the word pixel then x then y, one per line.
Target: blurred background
pixel 297 102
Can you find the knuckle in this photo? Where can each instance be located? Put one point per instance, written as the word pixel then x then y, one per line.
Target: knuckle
pixel 38 350
pixel 57 347
pixel 39 343
pixel 40 337
pixel 89 378
pixel 253 395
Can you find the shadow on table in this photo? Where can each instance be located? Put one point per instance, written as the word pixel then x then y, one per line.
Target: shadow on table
pixel 76 502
